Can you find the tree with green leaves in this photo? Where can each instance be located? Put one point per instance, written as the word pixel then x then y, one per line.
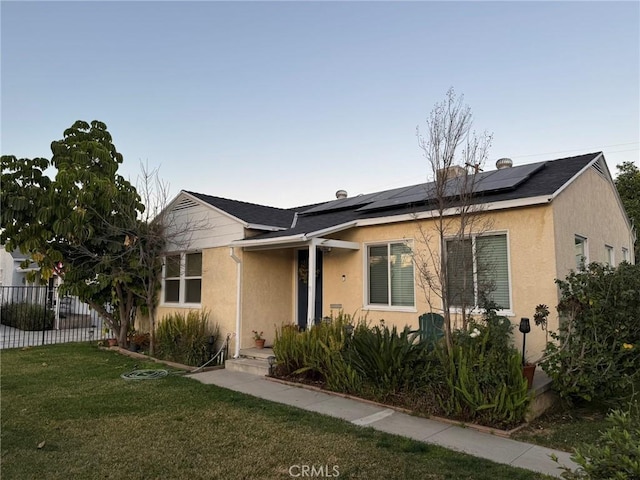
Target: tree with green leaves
pixel 628 185
pixel 75 224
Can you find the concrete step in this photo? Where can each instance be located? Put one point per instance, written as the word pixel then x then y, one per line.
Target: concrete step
pixel 253 366
pixel 259 353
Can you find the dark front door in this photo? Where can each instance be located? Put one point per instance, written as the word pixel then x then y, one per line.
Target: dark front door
pixel 303 287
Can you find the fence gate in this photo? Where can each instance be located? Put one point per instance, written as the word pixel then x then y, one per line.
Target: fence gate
pixel 39 315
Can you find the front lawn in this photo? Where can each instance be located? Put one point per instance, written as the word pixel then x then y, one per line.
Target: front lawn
pixel 565 428
pixel 89 423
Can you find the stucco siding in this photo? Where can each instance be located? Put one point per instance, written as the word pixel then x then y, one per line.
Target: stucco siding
pixel 531 264
pixel 218 290
pixel 588 207
pixel 268 294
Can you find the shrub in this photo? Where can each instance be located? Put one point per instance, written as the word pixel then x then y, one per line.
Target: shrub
pixel 389 361
pixel 317 353
pixel 141 340
pixel 615 455
pixel 185 339
pixel 287 349
pixel 594 355
pixel 27 316
pixel 483 379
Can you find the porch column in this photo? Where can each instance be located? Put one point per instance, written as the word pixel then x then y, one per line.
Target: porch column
pixel 311 284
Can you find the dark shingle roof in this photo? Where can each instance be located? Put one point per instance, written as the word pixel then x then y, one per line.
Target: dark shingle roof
pixel 249 212
pixel 545 178
pixel 544 181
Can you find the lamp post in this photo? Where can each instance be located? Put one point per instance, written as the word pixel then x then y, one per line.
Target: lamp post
pixel 272 361
pixel 525 327
pixel 211 342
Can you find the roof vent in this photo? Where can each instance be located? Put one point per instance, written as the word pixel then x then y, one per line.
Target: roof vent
pixel 504 163
pixel 340 194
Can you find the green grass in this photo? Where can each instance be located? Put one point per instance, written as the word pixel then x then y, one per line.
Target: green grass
pixel 565 428
pixel 97 426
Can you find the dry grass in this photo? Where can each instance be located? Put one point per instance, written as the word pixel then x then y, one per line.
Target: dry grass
pixel 96 425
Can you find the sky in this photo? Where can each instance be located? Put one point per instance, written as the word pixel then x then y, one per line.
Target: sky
pixel 284 103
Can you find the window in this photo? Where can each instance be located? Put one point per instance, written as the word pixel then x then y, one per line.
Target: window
pixel 608 255
pixel 580 252
pixel 183 278
pixel 625 255
pixel 478 266
pixel 390 275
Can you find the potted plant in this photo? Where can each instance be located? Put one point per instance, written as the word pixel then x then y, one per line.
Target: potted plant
pixel 257 337
pixel 111 340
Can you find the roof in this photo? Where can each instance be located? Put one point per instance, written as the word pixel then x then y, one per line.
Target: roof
pixel 542 179
pixel 250 212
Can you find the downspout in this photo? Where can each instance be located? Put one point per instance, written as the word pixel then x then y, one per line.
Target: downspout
pixel 238 299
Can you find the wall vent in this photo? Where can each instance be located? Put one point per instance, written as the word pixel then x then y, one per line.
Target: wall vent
pixel 599 167
pixel 184 203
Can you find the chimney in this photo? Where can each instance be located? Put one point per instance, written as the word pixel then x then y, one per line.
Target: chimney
pixel 450 172
pixel 504 163
pixel 340 194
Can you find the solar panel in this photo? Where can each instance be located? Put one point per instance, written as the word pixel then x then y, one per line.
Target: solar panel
pixel 415 194
pixel 506 178
pixel 358 200
pixel 492 181
pixel 495 180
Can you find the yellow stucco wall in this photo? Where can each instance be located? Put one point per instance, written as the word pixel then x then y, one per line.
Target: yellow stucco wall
pixel 588 208
pixel 532 268
pixel 268 292
pixel 218 290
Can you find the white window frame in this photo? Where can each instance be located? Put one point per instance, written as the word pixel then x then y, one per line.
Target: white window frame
pixel 182 281
pixel 625 254
pixel 365 283
pixel 610 255
pixel 476 310
pixel 585 252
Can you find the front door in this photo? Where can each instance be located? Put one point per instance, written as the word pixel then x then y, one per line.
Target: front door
pixel 303 287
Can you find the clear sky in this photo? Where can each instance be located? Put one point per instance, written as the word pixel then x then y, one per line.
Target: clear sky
pixel 283 103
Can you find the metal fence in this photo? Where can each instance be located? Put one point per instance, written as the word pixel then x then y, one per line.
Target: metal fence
pixel 40 315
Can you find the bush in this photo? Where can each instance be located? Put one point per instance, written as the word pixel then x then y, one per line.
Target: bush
pixel 616 454
pixel 594 355
pixel 185 339
pixel 317 354
pixel 480 381
pixel 390 362
pixel 483 379
pixel 27 316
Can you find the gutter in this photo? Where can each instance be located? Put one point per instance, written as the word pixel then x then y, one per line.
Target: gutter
pixel 238 299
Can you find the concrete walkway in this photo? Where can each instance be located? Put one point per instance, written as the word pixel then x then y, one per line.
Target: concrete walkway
pixel 484 445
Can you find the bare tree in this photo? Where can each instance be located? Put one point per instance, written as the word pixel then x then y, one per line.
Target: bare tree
pixel 455 155
pixel 148 237
pixel 158 232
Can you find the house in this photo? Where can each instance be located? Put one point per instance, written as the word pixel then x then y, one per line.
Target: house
pixel 12 274
pixel 254 267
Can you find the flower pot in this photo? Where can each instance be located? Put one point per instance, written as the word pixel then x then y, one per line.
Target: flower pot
pixel 528 370
pixel 112 342
pixel 260 343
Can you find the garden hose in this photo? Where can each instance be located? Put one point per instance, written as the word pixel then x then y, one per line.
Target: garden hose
pixel 144 374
